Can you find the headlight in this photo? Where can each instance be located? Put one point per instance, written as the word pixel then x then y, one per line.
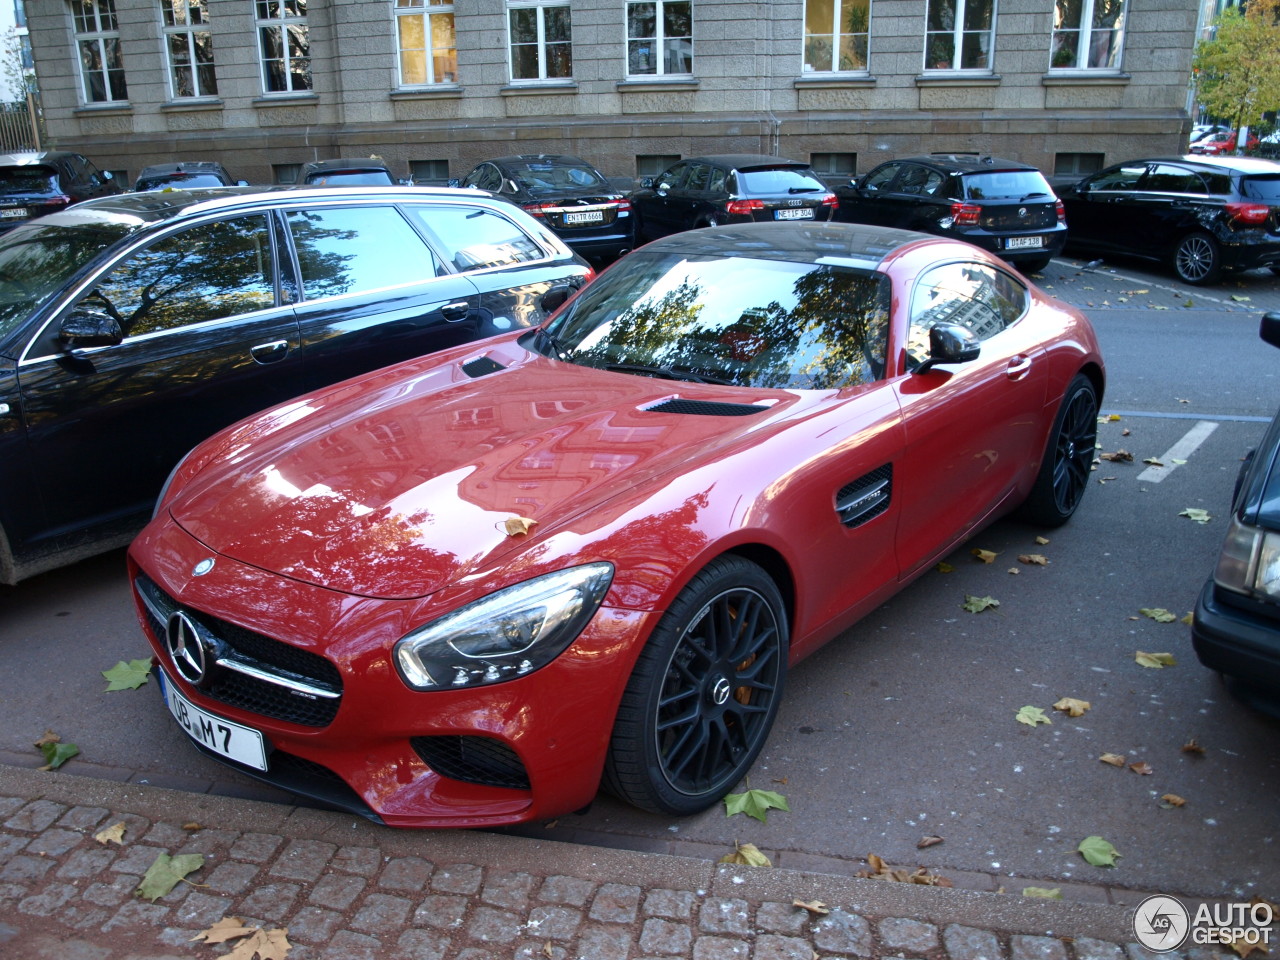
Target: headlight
pixel 1250 562
pixel 507 634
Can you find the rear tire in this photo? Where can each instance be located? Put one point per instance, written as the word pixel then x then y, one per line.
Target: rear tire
pixel 1068 460
pixel 1197 260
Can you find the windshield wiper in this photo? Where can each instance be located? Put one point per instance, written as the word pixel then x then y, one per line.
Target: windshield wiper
pixel 1037 193
pixel 548 339
pixel 666 373
pixel 803 189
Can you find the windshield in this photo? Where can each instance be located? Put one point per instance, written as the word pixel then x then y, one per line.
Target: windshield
pixel 368 178
pixel 180 180
pixel 779 181
pixel 1265 189
pixel 735 320
pixel 22 180
pixel 37 261
pixel 1005 185
pixel 554 176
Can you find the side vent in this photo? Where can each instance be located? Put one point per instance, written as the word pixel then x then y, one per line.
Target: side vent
pixel 866 498
pixel 481 366
pixel 706 408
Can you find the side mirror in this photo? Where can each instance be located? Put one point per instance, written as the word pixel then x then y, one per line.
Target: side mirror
pixel 242 183
pixel 453 182
pixel 646 183
pixel 108 175
pixel 86 327
pixel 554 298
pixel 950 343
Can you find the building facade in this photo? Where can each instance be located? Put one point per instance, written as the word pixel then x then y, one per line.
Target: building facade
pixel 433 86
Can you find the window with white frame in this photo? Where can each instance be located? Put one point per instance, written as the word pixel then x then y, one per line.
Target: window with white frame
pixel 959 35
pixel 659 38
pixel 284 48
pixel 97 37
pixel 428 50
pixel 835 35
pixel 1087 34
pixel 188 47
pixel 541 39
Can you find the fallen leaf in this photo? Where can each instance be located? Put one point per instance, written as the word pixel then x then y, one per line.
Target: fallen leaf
pixel 929 841
pixel 1110 418
pixel 1120 456
pixel 1115 759
pixel 1196 514
pixel 1170 800
pixel 816 907
pixel 882 871
pixel 112 834
pixel 1192 746
pixel 1152 461
pixel 192 827
pixel 747 854
pixel 1035 559
pixel 1072 707
pixel 1042 892
pixel 1239 944
pixel 265 944
pixel 1015 571
pixel 1158 614
pixel 1141 767
pixel 1032 716
pixel 944 567
pixel 755 803
pixel 56 754
pixel 1239 299
pixel 519 525
pixel 1042 540
pixel 128 676
pixel 978 604
pixel 986 556
pixel 1155 660
pixel 47 737
pixel 228 928
pixel 1098 852
pixel 163 875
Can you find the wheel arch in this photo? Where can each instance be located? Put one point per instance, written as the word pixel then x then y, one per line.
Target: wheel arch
pixel 775 565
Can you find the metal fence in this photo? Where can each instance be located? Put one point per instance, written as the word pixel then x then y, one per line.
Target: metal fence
pixel 19 127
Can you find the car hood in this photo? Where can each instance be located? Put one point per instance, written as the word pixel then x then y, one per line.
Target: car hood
pixel 397 484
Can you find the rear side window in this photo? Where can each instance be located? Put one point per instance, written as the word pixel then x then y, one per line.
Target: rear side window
pixel 919 180
pixel 472 239
pixel 356 249
pixel 1265 189
pixel 779 181
pixel 977 296
pixel 1165 178
pixel 1006 185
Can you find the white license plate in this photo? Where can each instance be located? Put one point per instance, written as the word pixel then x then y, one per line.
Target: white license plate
pixel 589 216
pixel 1022 243
pixel 13 212
pixel 802 213
pixel 225 738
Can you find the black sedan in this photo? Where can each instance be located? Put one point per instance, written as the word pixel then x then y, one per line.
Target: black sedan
pixel 134 326
pixel 568 194
pixel 734 188
pixel 1202 216
pixel 1004 206
pixel 1236 625
pixel 185 175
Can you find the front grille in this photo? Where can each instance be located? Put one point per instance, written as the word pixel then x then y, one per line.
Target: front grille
pixel 273 657
pixel 481 760
pixel 706 408
pixel 481 366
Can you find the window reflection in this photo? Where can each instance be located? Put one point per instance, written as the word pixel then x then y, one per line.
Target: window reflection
pixel 976 296
pixel 354 249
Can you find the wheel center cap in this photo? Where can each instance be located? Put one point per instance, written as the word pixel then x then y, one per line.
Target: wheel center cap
pixel 720 691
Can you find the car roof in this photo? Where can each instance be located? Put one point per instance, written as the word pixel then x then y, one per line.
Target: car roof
pixel 840 244
pixel 748 161
pixel 34 157
pixel 545 157
pixel 1232 164
pixel 359 163
pixel 963 163
pixel 180 166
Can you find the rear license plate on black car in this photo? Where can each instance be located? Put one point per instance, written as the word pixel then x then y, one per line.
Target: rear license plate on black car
pixel 588 216
pixel 801 213
pixel 13 212
pixel 1023 243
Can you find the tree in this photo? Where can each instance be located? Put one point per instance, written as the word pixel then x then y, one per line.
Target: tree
pixel 1238 72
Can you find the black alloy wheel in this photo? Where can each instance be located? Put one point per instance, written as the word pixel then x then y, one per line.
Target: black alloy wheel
pixel 1197 260
pixel 704 692
pixel 1064 473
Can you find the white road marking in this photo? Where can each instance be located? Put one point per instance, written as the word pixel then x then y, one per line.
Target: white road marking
pixel 1179 451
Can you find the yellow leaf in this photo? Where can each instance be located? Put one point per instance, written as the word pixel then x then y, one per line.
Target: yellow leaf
pixel 1192 746
pixel 1015 571
pixel 986 556
pixel 228 928
pixel 816 907
pixel 49 737
pixel 267 944
pixel 1115 759
pixel 112 834
pixel 1037 559
pixel 1072 707
pixel 519 525
pixel 1120 456
pixel 929 841
pixel 1172 800
pixel 747 854
pixel 1154 660
pixel 1042 540
pixel 1141 767
pixel 944 567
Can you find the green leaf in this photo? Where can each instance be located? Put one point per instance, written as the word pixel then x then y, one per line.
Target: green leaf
pixel 755 803
pixel 1098 852
pixel 56 754
pixel 978 604
pixel 1196 514
pixel 747 854
pixel 163 875
pixel 128 676
pixel 1155 661
pixel 1032 716
pixel 1158 614
pixel 1044 893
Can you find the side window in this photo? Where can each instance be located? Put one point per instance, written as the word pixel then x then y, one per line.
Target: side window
pixel 355 249
pixel 1165 178
pixel 472 239
pixel 675 177
pixel 717 180
pixel 979 297
pixel 486 177
pixel 1121 178
pixel 207 272
pixel 699 177
pixel 880 178
pixel 913 179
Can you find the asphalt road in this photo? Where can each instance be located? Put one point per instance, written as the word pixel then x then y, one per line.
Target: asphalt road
pixel 905 727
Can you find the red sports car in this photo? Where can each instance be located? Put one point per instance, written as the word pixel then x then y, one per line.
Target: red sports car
pixel 475 587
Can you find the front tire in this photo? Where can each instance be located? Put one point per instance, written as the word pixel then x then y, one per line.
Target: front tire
pixel 704 692
pixel 1197 259
pixel 1064 473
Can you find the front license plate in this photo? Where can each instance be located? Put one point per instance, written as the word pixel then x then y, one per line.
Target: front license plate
pixel 12 212
pixel 802 213
pixel 225 738
pixel 1022 243
pixel 588 216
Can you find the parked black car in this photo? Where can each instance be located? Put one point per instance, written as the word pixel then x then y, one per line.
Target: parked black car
pixel 1000 205
pixel 185 175
pixel 571 196
pixel 135 326
pixel 1200 215
pixel 1236 625
pixel 33 184
pixel 360 172
pixel 735 188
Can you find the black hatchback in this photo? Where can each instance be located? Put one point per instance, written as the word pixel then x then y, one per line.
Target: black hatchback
pixel 1202 216
pixel 568 194
pixel 1002 206
pixel 733 188
pixel 135 326
pixel 34 184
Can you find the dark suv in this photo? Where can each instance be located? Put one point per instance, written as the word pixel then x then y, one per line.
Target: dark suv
pixel 134 326
pixel 1002 206
pixel 734 188
pixel 368 172
pixel 1200 215
pixel 33 184
pixel 184 175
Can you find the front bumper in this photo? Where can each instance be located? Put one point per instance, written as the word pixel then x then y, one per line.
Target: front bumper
pixel 1236 643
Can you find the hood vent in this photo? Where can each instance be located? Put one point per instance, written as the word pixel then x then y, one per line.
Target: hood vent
pixel 481 366
pixel 705 408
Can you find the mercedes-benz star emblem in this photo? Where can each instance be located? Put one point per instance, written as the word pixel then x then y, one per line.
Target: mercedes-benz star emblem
pixel 189 656
pixel 203 567
pixel 720 692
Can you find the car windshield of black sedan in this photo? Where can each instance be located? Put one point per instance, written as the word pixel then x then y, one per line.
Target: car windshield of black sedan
pixel 736 320
pixel 36 261
pixel 1006 184
pixel 554 176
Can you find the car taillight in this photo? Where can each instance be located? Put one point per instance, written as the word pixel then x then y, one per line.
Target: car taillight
pixel 57 200
pixel 539 209
pixel 743 207
pixel 1248 212
pixel 965 214
pixel 623 205
pixel 1062 211
pixel 830 200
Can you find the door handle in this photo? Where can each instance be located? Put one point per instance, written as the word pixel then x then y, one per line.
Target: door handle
pixel 453 312
pixel 1018 367
pixel 270 352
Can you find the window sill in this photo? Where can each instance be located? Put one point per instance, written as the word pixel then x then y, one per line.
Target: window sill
pixel 632 85
pixel 1085 78
pixel 192 105
pixel 521 88
pixel 832 81
pixel 442 91
pixel 957 78
pixel 119 108
pixel 284 99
